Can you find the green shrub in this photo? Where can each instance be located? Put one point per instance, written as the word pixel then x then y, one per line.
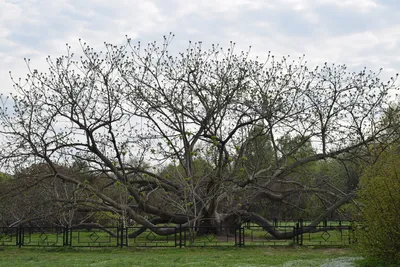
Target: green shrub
pixel 379 194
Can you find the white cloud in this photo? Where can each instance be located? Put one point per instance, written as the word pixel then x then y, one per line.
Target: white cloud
pixel 356 5
pixel 37 28
pixel 8 13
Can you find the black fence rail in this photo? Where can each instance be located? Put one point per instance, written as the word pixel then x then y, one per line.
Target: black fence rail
pixel 255 235
pixel 212 237
pixel 42 236
pixel 10 236
pixel 290 222
pixel 94 237
pixel 292 233
pixel 327 236
pixel 137 237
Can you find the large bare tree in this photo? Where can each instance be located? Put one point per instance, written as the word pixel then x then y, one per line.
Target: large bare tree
pixel 179 135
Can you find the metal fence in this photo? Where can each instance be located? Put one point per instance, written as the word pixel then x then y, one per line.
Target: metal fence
pixel 325 234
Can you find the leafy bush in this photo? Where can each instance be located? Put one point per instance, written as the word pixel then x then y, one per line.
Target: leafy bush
pixel 379 194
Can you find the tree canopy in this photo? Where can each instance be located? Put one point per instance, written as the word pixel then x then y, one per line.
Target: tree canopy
pixel 203 137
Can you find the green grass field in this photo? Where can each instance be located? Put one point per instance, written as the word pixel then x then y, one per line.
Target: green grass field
pixel 209 257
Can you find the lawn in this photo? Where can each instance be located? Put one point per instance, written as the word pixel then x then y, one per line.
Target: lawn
pixel 252 256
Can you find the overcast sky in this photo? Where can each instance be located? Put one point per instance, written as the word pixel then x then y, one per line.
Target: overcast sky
pixel 359 33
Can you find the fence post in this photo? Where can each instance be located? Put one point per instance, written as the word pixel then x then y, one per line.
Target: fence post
pixel 70 237
pixel 180 236
pixel 65 236
pixel 294 234
pixel 175 239
pixel 17 236
pixel 236 237
pixel 120 231
pixel 242 235
pixel 301 231
pixel 20 236
pixel 126 236
pixel 351 230
pixel 239 240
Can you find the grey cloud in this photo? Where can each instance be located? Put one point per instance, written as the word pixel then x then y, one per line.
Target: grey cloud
pixel 356 32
